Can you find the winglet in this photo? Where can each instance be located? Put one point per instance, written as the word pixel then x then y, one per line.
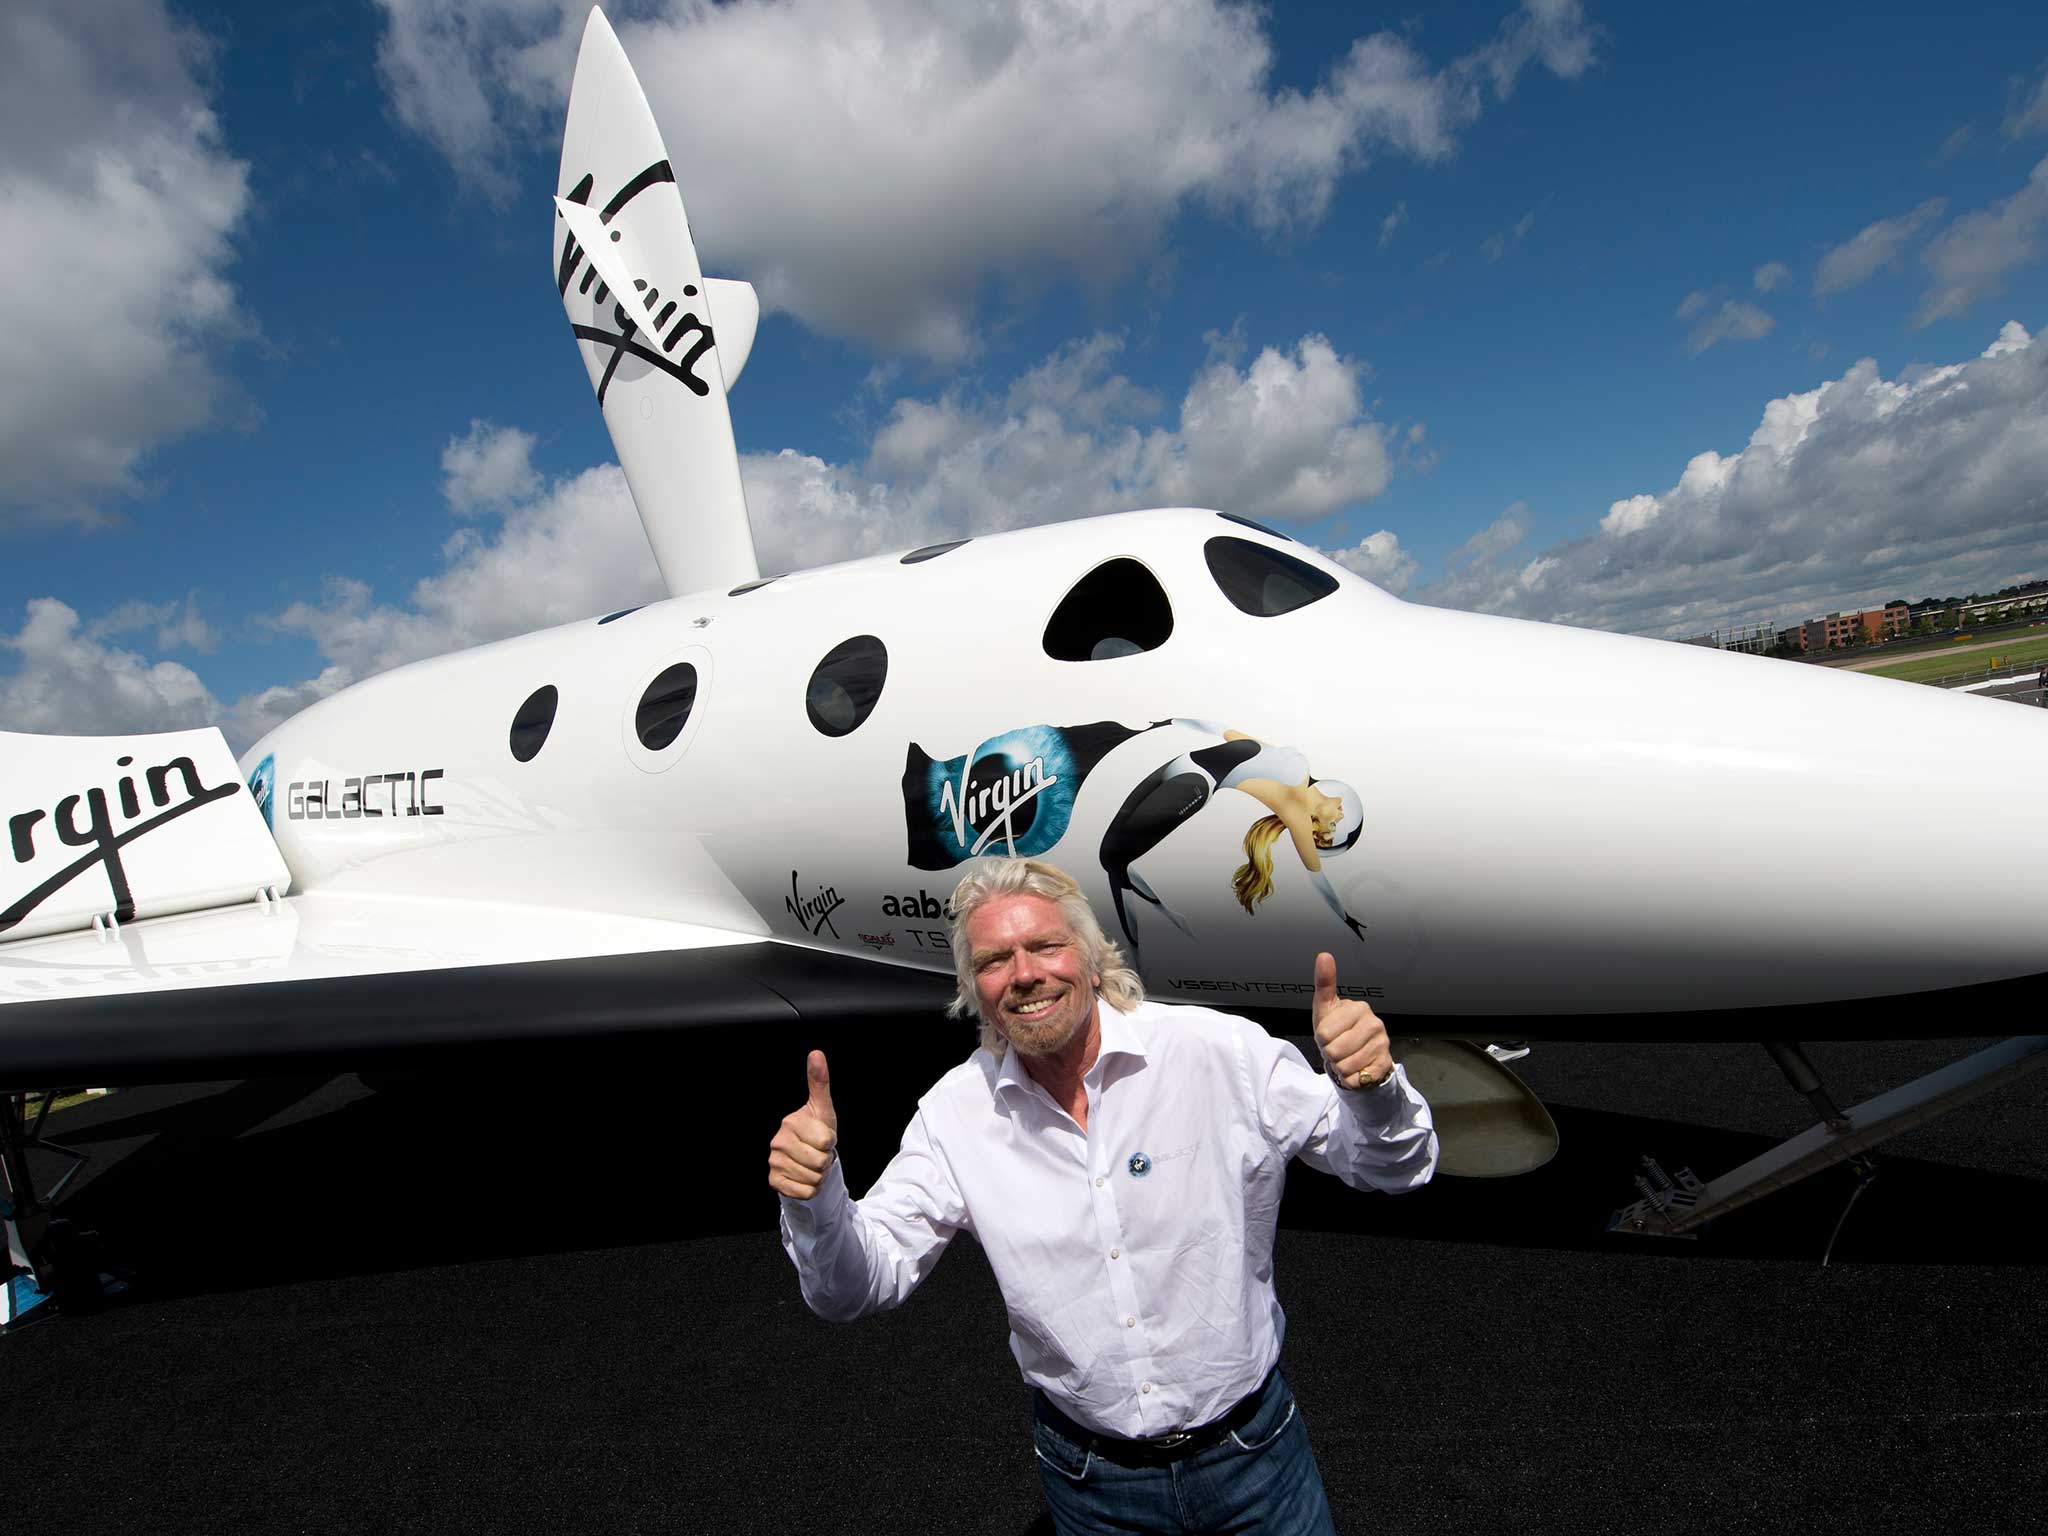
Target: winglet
pixel 643 316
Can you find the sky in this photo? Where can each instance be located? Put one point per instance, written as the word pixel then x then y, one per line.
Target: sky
pixel 1650 319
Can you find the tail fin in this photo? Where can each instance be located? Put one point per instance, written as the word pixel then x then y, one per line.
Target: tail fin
pixel 644 316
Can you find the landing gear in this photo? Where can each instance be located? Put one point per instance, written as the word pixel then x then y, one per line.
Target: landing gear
pixel 1675 1206
pixel 49 1264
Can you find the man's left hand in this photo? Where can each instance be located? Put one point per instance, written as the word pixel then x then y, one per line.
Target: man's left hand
pixel 1349 1034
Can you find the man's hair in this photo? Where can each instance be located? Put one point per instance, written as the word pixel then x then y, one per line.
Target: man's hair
pixel 988 879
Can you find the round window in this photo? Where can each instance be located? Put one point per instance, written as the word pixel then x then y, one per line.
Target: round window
pixel 535 718
pixel 665 706
pixel 846 685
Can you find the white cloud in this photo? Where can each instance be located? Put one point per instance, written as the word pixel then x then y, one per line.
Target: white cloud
pixel 1395 218
pixel 1286 435
pixel 1874 246
pixel 872 167
pixel 1380 559
pixel 489 469
pixel 1632 514
pixel 1735 320
pixel 1498 244
pixel 1864 489
pixel 1971 258
pixel 1555 31
pixel 114 184
pixel 256 715
pixel 2026 105
pixel 1771 275
pixel 68 682
pixel 178 626
pixel 2012 337
pixel 1287 438
pixel 573 549
pixel 1953 145
pixel 1485 549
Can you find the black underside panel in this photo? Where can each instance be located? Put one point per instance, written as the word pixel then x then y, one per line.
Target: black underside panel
pixel 2010 1007
pixel 429 1018
pixel 534 1013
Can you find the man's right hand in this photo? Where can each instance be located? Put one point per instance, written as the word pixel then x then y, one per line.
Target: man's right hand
pixel 802 1149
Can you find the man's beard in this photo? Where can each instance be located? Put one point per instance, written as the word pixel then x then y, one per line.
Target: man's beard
pixel 1049 1034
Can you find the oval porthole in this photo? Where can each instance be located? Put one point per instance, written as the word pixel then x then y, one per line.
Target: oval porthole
pixel 846 685
pixel 665 707
pixel 930 552
pixel 1262 581
pixel 532 722
pixel 1117 609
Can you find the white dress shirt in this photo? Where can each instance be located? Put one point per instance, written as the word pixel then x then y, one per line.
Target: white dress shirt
pixel 1136 1258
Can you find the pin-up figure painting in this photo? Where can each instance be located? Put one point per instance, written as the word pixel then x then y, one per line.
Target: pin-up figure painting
pixel 1320 818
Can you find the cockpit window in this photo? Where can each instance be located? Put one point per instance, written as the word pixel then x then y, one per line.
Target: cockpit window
pixel 753 586
pixel 846 685
pixel 1245 522
pixel 1117 609
pixel 930 552
pixel 1262 581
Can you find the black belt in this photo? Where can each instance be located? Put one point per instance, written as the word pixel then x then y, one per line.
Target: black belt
pixel 1160 1448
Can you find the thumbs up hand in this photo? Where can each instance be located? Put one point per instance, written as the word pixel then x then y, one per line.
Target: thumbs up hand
pixel 802 1149
pixel 1349 1034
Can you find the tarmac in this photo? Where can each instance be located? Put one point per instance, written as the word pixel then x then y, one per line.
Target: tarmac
pixel 480 1305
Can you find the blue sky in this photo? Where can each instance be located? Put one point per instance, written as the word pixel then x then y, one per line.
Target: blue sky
pixel 1648 318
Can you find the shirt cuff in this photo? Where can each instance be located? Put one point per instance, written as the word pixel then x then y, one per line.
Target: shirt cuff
pixel 1375 1107
pixel 817 1214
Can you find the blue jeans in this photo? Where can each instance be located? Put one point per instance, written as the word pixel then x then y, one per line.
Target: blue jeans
pixel 1260 1477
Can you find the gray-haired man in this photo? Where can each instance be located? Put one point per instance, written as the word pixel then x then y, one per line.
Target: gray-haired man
pixel 1121 1163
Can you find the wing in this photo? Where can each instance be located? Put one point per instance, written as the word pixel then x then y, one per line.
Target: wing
pixel 147 940
pixel 333 982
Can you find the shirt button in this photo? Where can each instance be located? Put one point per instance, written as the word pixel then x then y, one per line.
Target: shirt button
pixel 1115 1253
pixel 1098 1181
pixel 1146 1388
pixel 1130 1322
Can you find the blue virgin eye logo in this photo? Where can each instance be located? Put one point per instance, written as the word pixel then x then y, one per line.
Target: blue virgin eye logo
pixel 1013 794
pixel 261 782
pixel 1140 1165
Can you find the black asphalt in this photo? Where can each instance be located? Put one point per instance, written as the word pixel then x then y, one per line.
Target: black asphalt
pixel 481 1305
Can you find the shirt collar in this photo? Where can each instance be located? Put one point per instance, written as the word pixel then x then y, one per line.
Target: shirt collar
pixel 1123 1034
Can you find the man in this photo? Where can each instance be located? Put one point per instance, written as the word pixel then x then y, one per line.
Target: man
pixel 1121 1163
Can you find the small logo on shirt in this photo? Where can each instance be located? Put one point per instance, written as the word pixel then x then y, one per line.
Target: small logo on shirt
pixel 1140 1165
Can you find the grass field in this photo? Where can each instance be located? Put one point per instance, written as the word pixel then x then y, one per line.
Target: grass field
pixel 2023 652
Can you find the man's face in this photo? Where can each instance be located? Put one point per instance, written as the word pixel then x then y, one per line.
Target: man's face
pixel 1030 973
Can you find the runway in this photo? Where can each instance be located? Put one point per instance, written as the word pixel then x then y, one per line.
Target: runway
pixel 483 1305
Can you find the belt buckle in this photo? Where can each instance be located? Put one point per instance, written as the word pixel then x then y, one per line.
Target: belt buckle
pixel 1173 1441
